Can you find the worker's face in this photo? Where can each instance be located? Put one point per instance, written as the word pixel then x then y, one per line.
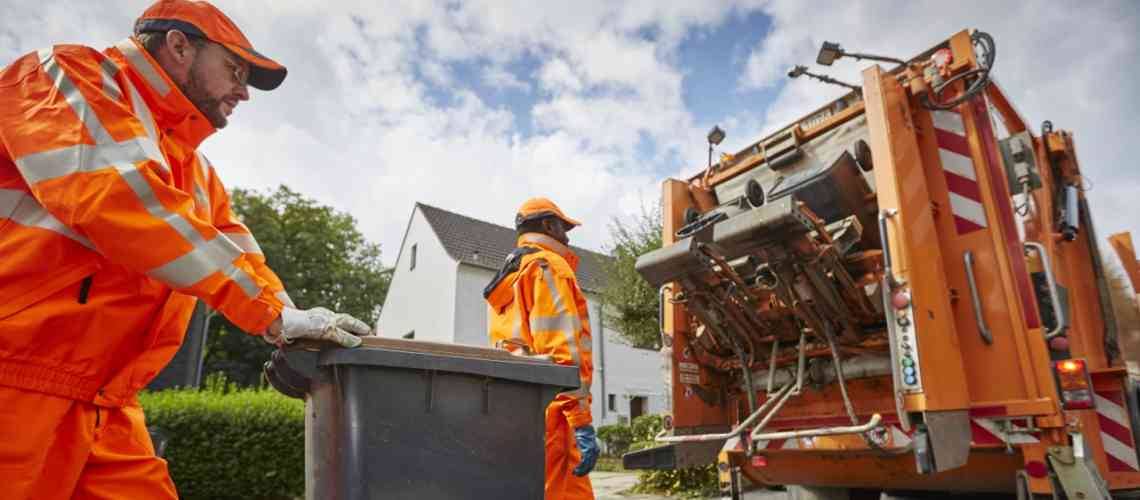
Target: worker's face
pixel 216 83
pixel 557 229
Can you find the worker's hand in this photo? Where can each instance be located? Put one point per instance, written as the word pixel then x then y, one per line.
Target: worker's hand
pixel 587 444
pixel 320 324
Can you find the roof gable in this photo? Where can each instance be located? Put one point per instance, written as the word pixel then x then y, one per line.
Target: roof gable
pixel 483 244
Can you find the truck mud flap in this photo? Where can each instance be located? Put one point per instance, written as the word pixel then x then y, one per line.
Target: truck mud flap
pixel 672 456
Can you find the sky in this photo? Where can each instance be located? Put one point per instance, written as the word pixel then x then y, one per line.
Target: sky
pixel 475 106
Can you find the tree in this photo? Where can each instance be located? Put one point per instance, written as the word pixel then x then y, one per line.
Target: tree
pixel 631 302
pixel 320 256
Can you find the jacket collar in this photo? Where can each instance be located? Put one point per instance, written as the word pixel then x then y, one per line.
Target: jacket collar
pixel 173 112
pixel 550 244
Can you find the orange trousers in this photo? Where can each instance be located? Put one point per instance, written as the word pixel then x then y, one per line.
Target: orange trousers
pixel 57 448
pixel 562 457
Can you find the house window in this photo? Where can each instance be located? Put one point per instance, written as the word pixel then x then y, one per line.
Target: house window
pixel 413 264
pixel 638 406
pixel 611 405
pixel 410 335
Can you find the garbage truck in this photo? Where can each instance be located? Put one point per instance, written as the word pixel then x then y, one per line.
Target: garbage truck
pixel 901 291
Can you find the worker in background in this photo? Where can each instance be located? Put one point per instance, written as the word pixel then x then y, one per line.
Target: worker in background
pixel 112 225
pixel 537 309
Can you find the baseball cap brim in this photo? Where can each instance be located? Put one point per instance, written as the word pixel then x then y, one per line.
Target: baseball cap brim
pixel 264 73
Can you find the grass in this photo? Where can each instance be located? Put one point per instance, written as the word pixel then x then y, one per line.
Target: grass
pixel 609 464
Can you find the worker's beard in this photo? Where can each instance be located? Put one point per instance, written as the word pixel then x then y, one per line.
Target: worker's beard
pixel 194 88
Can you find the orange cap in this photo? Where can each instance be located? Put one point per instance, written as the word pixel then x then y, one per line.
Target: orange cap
pixel 539 207
pixel 200 18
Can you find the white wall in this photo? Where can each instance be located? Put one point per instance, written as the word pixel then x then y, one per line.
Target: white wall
pixel 628 372
pixel 421 299
pixel 470 308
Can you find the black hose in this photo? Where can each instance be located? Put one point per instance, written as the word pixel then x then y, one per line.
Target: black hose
pixel 981 77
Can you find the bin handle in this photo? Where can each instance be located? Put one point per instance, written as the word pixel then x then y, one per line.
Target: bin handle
pixel 885 214
pixel 1054 296
pixel 983 330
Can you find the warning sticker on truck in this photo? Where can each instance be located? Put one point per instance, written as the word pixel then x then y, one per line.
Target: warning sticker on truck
pixel 690 378
pixel 689 367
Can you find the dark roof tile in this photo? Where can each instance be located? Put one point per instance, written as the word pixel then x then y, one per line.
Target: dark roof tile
pixel 483 244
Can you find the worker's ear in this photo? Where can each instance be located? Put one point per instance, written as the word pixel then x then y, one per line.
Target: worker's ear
pixel 181 50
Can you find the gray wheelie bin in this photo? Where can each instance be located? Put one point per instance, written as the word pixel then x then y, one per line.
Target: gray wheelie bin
pixel 400 419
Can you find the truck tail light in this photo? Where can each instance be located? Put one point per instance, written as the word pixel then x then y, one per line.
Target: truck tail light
pixel 1075 384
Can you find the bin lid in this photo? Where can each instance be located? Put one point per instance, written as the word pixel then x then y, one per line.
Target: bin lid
pixel 458 358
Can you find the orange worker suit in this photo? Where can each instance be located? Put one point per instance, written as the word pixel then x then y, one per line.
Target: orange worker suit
pixel 112 225
pixel 540 306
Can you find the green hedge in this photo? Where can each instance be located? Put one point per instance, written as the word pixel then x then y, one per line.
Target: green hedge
pixel 696 482
pixel 224 442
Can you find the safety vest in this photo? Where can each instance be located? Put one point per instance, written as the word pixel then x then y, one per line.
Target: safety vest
pixel 536 307
pixel 111 224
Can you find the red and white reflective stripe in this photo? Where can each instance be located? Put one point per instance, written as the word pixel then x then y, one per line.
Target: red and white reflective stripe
pixel 1116 432
pixel 985 431
pixel 958 169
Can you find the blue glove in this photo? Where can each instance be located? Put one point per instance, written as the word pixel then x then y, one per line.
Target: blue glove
pixel 587 444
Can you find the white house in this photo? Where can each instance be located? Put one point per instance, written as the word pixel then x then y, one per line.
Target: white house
pixel 436 294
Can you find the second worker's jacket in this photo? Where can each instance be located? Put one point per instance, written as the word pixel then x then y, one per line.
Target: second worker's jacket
pixel 535 302
pixel 111 224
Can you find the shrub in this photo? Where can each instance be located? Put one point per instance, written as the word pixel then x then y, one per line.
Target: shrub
pixel 695 482
pixel 616 437
pixel 224 442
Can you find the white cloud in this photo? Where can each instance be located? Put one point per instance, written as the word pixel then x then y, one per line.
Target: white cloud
pixel 498 77
pixel 1083 77
pixel 373 116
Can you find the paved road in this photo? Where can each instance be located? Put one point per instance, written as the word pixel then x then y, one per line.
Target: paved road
pixel 608 485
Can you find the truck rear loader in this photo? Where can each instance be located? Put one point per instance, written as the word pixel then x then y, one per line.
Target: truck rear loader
pixel 901 291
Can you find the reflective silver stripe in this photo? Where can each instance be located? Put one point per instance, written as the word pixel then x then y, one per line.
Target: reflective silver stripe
pixel 556 297
pixel 110 86
pixel 562 322
pixel 245 242
pixel 569 333
pixel 142 112
pixel 200 262
pixel 200 195
pixel 38 167
pixel 149 73
pixel 516 330
pixel 285 299
pixel 26 211
pixel 206 258
pixel 586 345
pixel 74 98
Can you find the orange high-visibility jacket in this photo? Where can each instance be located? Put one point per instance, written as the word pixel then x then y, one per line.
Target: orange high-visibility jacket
pixel 540 306
pixel 111 223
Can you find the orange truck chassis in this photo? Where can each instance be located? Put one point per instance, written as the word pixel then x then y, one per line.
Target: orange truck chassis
pixel 900 291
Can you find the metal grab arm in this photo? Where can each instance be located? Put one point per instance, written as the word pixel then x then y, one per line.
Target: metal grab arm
pixel 1058 311
pixel 983 330
pixel 875 421
pixel 780 395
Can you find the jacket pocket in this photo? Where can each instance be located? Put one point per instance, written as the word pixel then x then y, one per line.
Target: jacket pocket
pixel 18 291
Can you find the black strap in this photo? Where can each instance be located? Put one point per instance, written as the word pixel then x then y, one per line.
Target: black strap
pixel 84 289
pixel 511 266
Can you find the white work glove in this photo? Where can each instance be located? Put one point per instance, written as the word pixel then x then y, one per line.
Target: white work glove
pixel 321 324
